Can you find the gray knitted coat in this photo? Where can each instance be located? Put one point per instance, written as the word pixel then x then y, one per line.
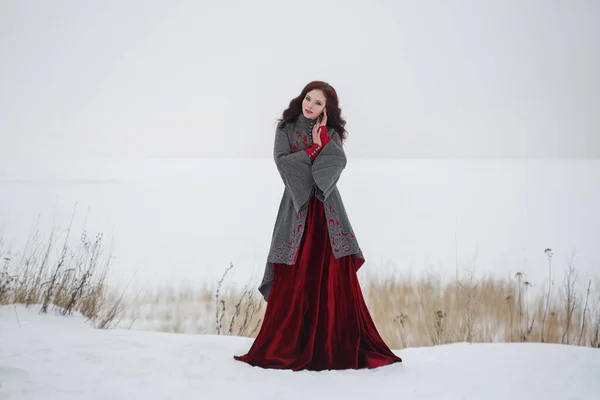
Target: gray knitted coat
pixel 303 178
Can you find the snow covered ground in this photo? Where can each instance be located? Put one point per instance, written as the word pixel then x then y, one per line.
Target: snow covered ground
pixel 52 357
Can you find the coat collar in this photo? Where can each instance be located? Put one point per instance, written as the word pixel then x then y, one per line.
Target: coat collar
pixel 304 123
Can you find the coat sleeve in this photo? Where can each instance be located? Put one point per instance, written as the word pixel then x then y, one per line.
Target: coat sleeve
pixel 294 168
pixel 328 166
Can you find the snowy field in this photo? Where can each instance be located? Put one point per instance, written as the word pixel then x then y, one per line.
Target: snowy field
pixel 169 221
pixel 173 221
pixel 61 358
pixel 476 204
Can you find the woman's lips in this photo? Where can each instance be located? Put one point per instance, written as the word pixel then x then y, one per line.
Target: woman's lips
pixel 308 111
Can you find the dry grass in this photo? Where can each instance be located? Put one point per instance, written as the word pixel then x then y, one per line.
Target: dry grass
pixel 53 274
pixel 210 309
pixel 409 312
pixel 425 311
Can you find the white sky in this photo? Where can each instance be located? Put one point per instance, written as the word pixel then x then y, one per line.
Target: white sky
pixel 209 78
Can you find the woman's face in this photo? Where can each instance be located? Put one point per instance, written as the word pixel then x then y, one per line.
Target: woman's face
pixel 313 104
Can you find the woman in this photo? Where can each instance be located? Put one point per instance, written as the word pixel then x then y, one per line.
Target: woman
pixel 316 317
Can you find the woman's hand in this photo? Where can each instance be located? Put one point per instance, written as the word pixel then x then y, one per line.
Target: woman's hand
pixel 323 121
pixel 316 135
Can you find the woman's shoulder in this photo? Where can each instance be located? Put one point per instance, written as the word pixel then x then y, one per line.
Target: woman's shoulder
pixel 332 132
pixel 284 126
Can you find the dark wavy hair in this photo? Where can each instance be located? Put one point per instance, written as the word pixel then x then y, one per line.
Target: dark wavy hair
pixel 334 113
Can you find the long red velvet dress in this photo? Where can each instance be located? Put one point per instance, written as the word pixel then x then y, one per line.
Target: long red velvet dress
pixel 316 316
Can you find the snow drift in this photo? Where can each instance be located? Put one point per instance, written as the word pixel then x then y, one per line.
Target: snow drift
pixel 53 357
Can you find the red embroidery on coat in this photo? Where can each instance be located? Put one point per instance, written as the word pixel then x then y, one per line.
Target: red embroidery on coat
pixel 302 138
pixel 341 240
pixel 268 275
pixel 286 253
